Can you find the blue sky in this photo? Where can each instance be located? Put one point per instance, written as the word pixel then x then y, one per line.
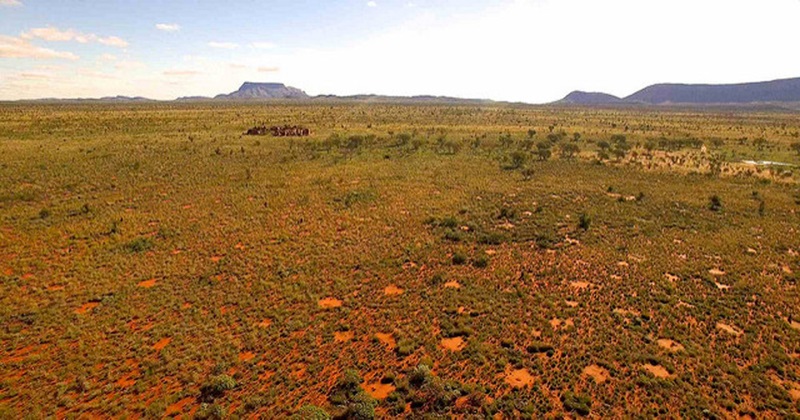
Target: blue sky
pixel 520 50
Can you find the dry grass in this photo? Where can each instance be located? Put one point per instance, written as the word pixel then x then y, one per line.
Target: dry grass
pixel 152 260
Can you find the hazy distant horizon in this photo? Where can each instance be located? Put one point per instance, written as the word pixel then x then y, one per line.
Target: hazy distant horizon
pixel 532 51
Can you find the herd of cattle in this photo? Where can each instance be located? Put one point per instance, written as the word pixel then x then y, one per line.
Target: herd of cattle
pixel 279 131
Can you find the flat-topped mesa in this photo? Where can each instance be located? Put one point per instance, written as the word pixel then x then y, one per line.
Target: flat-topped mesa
pixel 254 85
pixel 252 90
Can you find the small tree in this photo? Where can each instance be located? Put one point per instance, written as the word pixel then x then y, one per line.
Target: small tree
pixel 569 150
pixel 531 133
pixel 715 203
pixel 584 221
pixel 543 150
pixel 796 147
pixel 518 158
pixel 506 140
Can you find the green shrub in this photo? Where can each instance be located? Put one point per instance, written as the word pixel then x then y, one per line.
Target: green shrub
pixel 481 262
pixel 580 404
pixel 459 259
pixel 216 387
pixel 584 221
pixel 140 244
pixel 210 412
pixel 539 347
pixel 517 159
pixel 714 203
pixel 311 412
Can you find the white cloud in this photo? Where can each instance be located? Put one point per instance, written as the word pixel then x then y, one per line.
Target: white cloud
pixel 12 47
pixel 57 35
pixel 527 50
pixel 10 3
pixel 372 4
pixel 263 45
pixel 168 27
pixel 108 57
pixel 224 45
pixel 113 41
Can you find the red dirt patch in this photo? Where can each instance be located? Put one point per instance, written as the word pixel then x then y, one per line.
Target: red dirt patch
pixel 626 312
pixel 23 353
pixel 392 290
pixel 378 390
pixel 728 329
pixel 342 336
pixel 670 345
pixel 179 406
pixel 657 371
pixel 329 303
pixel 147 283
pixel 265 323
pixel 128 380
pixel 453 344
pixel 452 285
pixel 246 356
pixel 716 272
pixel 556 323
pixel 386 339
pixel 519 378
pixel 597 373
pixel 794 324
pixel 160 344
pixel 87 307
pixel 579 285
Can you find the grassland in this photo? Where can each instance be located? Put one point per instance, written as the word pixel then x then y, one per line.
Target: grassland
pixel 402 261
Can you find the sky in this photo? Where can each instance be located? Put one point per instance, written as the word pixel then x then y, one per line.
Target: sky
pixel 511 50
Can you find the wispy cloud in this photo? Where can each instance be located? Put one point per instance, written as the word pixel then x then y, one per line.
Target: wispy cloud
pixel 168 27
pixel 130 65
pixel 113 41
pixel 181 72
pixel 108 57
pixel 10 3
pixel 13 47
pixel 37 76
pixel 263 45
pixel 224 45
pixel 372 4
pixel 268 69
pixel 57 35
pixel 237 66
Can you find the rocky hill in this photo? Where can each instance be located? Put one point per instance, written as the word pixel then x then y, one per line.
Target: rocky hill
pixel 784 91
pixel 250 90
pixel 590 98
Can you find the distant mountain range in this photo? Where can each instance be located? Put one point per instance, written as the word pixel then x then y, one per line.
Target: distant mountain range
pixel 778 94
pixel 772 92
pixel 250 91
